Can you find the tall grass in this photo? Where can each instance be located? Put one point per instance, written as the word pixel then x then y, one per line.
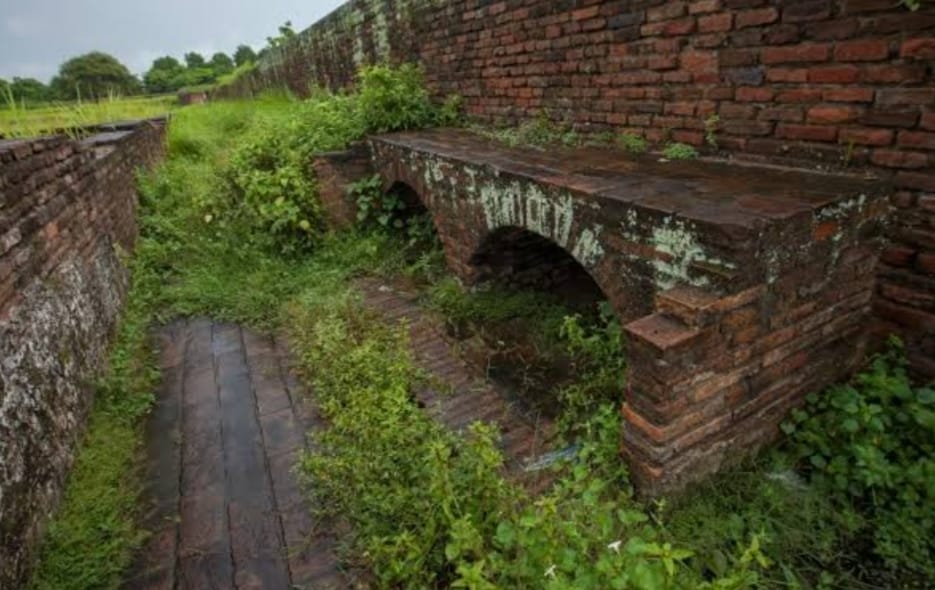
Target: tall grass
pixel 17 120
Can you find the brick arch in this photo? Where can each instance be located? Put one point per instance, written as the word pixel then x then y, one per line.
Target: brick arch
pixel 525 256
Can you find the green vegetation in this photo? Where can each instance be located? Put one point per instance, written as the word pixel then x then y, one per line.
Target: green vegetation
pixel 539 133
pixel 16 120
pixel 680 151
pixel 844 502
pixel 93 75
pixel 635 144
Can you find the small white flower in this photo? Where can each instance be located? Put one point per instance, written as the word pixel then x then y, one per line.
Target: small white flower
pixel 550 573
pixel 615 546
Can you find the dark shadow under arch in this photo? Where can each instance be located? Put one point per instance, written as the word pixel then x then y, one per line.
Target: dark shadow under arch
pixel 514 257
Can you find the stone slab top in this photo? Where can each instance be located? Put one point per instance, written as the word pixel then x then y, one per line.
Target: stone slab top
pixel 706 189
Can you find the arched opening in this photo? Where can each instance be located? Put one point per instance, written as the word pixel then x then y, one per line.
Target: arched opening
pixel 542 326
pixel 516 258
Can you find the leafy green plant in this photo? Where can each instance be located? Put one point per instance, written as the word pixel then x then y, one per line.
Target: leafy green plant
pixel 710 130
pixel 870 444
pixel 390 211
pixel 633 143
pixel 680 151
pixel 597 352
pixel 538 132
pixel 394 99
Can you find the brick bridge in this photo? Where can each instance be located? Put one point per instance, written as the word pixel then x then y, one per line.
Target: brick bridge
pixel 741 288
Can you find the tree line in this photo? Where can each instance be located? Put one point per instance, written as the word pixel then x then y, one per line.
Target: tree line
pixel 97 75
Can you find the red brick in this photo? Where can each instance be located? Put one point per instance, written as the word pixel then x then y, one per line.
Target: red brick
pixel 787 75
pixel 833 75
pixel 730 58
pixel 586 13
pixel 785 114
pixel 905 118
pixel 892 74
pixel 896 255
pixel 806 132
pixel 897 159
pixel 679 27
pixel 754 18
pixel 864 50
pixel 799 95
pixel 867 136
pixel 832 115
pixel 916 139
pixel 923 48
pixel 804 53
pixel 783 34
pixel 928 121
pixel 667 11
pixel 848 95
pixel 699 61
pixel 916 180
pixel 715 23
pixel 750 94
pixel 704 6
pixel 919 96
pixel 811 10
pixel 925 263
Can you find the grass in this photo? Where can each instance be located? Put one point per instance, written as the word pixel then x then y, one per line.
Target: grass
pixel 17 121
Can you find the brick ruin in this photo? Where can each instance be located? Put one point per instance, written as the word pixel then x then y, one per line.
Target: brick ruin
pixel 67 216
pixel 813 83
pixel 741 288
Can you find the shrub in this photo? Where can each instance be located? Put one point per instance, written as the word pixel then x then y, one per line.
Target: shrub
pixel 633 143
pixel 395 99
pixel 680 151
pixel 870 444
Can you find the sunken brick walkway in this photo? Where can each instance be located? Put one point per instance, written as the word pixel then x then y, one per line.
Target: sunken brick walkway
pixel 225 508
pixel 459 394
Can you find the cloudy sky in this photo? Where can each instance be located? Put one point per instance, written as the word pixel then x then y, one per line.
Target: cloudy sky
pixel 36 36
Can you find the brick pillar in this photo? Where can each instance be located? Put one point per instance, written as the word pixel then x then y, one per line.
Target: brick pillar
pixel 335 173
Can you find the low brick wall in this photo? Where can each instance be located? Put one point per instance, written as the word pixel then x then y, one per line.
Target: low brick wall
pixel 809 82
pixel 67 216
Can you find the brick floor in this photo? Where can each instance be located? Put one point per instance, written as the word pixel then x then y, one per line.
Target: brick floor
pixel 461 393
pixel 223 505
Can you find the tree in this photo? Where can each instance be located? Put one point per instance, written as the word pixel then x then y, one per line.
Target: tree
pixel 221 63
pixel 243 55
pixel 286 32
pixel 4 90
pixel 193 60
pixel 29 90
pixel 164 75
pixel 93 75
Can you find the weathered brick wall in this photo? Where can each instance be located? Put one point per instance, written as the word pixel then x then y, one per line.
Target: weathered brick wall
pixel 67 212
pixel 845 82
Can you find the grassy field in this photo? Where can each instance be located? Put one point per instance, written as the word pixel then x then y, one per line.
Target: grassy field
pixel 17 121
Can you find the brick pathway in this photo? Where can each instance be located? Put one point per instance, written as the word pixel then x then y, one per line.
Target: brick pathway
pixel 224 506
pixel 463 395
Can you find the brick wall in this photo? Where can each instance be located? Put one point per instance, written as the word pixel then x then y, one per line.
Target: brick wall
pixel 813 82
pixel 67 212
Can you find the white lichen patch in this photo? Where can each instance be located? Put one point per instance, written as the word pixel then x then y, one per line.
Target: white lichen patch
pixel 588 249
pixel 842 209
pixel 680 245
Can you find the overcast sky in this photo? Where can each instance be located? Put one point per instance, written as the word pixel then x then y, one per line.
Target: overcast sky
pixel 36 36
